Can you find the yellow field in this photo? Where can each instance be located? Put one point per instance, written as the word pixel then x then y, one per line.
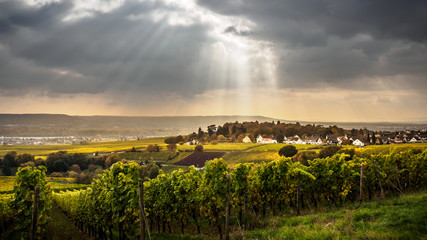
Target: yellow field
pixel 222 146
pixel 8 182
pixel 42 150
pixel 233 158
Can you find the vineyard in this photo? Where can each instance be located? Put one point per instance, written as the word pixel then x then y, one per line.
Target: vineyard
pixel 216 201
pixel 195 201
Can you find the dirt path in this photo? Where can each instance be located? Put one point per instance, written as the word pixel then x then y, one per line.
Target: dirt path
pixel 61 228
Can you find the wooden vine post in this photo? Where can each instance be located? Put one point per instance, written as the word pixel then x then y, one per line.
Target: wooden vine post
pixel 382 196
pixel 227 210
pixel 298 211
pixel 245 210
pixel 141 209
pixel 397 178
pixel 34 216
pixel 361 183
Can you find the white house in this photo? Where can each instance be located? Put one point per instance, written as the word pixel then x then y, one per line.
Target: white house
pixel 293 140
pixel 260 139
pixel 314 140
pixel 247 139
pixel 359 143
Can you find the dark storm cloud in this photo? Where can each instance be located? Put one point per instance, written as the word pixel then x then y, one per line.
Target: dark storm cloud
pixel 123 49
pixel 332 42
pixel 346 18
pixel 336 42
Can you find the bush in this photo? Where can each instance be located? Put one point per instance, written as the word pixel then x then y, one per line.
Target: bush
pixel 171 147
pixel 304 156
pixel 56 174
pixel 288 151
pixel 72 174
pixel 198 148
pixel 329 151
pixel 153 148
pixel 83 178
pixel 214 142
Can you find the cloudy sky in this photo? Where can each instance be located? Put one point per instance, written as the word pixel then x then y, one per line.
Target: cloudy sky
pixel 314 60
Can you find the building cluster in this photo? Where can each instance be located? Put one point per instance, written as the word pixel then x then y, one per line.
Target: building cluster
pixel 372 138
pixel 5 140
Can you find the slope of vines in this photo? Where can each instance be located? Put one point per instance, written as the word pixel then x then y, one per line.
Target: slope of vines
pixel 195 201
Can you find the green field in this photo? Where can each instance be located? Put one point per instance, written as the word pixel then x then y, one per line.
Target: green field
pixel 400 218
pixel 8 183
pixel 233 158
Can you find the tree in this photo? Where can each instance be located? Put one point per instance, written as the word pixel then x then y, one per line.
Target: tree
pixel 198 148
pixel 171 147
pixel 288 151
pixel 10 159
pixel 280 137
pixel 75 168
pixel 211 129
pixel 25 157
pixel 200 133
pixel 153 148
pixel 113 158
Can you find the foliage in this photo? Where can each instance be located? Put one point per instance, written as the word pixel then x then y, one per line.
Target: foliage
pixel 184 198
pixel 153 148
pixel 198 148
pixel 288 151
pixel 329 151
pixel 27 179
pixel 171 147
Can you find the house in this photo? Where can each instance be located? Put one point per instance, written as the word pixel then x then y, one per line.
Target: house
pixel 414 140
pixel 247 139
pixel 331 140
pixel 193 142
pixel 314 140
pixel 293 140
pixel 358 142
pixel 260 139
pixel 342 140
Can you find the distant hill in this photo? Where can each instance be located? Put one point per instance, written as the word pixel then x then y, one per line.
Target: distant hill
pixel 122 122
pixel 66 125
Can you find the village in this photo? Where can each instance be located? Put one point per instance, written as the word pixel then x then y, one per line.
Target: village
pixel 374 139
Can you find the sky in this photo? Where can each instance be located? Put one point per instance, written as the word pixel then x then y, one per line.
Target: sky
pixel 306 60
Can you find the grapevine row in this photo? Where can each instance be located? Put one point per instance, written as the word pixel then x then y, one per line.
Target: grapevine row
pixel 182 201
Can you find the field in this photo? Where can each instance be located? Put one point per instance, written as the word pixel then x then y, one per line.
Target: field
pixel 234 158
pixel 114 146
pixel 56 184
pixel 400 218
pixel 198 159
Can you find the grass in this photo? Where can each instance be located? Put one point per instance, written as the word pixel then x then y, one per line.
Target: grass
pixel 221 146
pixel 233 158
pixel 278 146
pixel 61 227
pixel 386 149
pixel 400 218
pixel 144 155
pixel 8 182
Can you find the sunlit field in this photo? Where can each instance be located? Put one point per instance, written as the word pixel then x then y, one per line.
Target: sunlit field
pixel 77 148
pixel 7 183
pixel 222 146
